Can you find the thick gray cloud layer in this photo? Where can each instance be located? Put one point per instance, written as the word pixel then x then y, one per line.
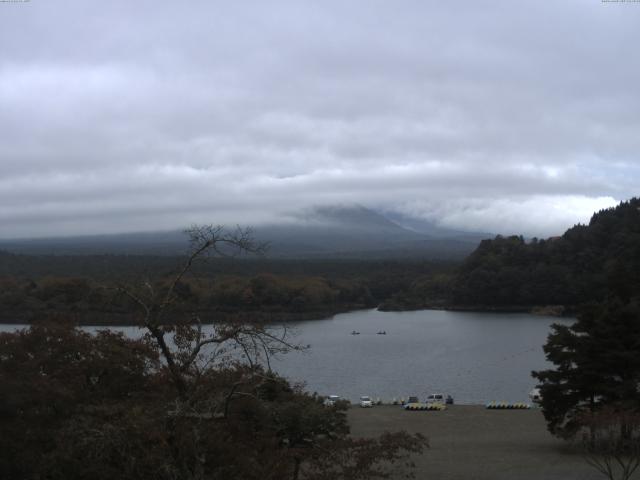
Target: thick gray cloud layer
pixel 500 116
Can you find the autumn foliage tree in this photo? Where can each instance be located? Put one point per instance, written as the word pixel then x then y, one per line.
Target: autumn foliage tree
pixel 61 389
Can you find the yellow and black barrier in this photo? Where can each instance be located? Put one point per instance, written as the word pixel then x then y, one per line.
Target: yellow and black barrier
pixel 508 406
pixel 425 406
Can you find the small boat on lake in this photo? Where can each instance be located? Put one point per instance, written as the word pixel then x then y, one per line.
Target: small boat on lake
pixel 383 332
pixel 355 333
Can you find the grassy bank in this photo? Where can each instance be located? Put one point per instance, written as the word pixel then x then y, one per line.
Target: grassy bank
pixel 471 442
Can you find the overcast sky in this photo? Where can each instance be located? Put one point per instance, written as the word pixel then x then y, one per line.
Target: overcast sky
pixel 509 117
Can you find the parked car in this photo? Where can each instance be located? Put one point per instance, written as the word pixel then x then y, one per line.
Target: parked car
pixel 331 400
pixel 366 402
pixel 435 398
pixel 535 396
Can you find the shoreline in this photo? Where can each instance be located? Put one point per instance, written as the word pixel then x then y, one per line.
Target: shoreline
pixel 106 319
pixel 542 310
pixel 113 319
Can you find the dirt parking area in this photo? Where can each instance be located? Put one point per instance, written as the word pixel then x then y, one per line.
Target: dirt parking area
pixel 473 443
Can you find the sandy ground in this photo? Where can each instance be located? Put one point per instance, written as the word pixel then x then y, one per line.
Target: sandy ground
pixel 473 443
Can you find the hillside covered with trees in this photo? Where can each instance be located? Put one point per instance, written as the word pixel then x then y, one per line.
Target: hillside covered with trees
pixel 587 263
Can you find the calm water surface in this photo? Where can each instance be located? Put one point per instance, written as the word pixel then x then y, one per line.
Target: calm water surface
pixel 475 357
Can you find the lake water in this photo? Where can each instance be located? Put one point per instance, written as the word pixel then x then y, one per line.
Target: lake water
pixel 475 357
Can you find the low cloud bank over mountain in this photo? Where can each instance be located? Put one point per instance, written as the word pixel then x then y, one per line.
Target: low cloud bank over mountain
pixel 511 118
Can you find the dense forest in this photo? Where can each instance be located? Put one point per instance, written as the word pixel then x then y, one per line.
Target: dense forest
pixel 587 263
pixel 85 288
pixel 552 276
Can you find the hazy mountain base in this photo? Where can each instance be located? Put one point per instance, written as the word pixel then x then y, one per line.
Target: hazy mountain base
pixel 323 233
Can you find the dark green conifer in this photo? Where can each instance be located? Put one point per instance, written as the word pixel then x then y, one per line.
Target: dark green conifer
pixel 597 364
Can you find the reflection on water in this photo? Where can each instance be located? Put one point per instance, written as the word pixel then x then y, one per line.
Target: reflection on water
pixel 475 357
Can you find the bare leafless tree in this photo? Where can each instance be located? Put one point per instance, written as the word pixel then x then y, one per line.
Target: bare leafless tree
pixel 611 441
pixel 180 336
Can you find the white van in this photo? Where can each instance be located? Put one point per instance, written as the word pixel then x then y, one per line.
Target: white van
pixel 366 402
pixel 435 398
pixel 535 396
pixel 331 400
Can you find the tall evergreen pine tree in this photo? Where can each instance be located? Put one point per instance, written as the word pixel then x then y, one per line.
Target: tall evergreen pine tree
pixel 597 364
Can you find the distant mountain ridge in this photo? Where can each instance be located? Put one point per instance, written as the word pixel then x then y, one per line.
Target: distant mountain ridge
pixel 329 231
